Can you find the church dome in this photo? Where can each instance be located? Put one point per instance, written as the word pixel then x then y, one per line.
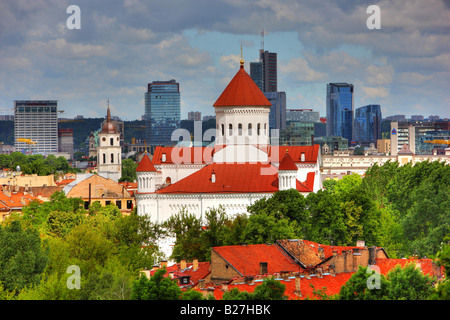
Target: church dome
pixel 109 127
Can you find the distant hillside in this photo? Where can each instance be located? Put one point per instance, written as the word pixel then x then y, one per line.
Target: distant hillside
pixel 81 129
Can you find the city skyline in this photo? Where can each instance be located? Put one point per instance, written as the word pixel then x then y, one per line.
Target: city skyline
pixel 122 46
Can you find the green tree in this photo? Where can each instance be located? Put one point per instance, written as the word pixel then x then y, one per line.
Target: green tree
pixel 269 289
pixel 157 287
pixel 365 284
pixel 22 259
pixel 128 170
pixel 192 295
pixel 409 283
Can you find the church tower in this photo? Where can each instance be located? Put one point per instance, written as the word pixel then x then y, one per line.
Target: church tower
pixel 242 120
pixel 109 151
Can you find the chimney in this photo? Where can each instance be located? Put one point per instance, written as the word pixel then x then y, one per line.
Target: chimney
pixel 319 272
pixel 224 286
pixel 155 267
pixel 195 264
pixel 297 291
pixel 332 271
pixel 183 264
pixel 163 157
pixel 201 283
pixel 360 243
pixel 163 264
pixel 372 255
pixel 302 157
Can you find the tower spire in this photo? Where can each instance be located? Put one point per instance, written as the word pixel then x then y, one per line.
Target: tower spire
pixel 242 58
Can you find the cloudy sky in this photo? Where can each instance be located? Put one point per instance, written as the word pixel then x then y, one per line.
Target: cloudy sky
pixel 123 45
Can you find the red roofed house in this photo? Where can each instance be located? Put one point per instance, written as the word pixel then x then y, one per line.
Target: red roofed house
pixel 240 168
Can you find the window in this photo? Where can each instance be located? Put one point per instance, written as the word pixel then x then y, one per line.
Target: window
pixel 129 204
pixel 86 205
pixel 263 267
pixel 119 204
pixel 111 141
pixel 259 129
pixel 104 158
pixel 240 129
pixel 230 129
pixel 112 157
pixel 249 129
pixel 107 202
pixel 223 130
pixel 265 129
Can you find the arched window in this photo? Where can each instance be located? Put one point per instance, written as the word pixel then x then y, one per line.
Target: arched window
pixel 223 130
pixel 230 129
pixel 249 129
pixel 112 157
pixel 265 129
pixel 258 129
pixel 240 129
pixel 112 141
pixel 104 158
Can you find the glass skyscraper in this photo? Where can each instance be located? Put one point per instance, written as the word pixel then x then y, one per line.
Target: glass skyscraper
pixel 367 124
pixel 162 112
pixel 340 110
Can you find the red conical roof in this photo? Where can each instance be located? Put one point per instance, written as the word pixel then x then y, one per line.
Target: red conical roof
pixel 145 165
pixel 287 163
pixel 242 91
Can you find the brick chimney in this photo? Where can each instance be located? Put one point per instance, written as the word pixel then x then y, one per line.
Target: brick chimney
pixel 225 286
pixel 163 264
pixel 183 264
pixel 319 272
pixel 201 283
pixel 195 264
pixel 297 291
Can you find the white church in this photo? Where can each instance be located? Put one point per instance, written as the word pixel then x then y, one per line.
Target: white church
pixel 241 168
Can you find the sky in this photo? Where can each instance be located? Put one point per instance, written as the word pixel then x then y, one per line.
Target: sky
pixel 123 45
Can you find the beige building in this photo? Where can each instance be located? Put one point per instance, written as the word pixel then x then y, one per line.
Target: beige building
pixel 334 167
pixel 384 146
pixel 93 188
pixel 14 178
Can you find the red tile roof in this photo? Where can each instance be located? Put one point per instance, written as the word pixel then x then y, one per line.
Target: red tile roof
pixel 332 286
pixel 276 153
pixel 245 259
pixel 188 155
pixel 242 91
pixel 195 275
pixel 426 265
pixel 17 200
pixel 234 178
pixel 145 165
pixel 287 163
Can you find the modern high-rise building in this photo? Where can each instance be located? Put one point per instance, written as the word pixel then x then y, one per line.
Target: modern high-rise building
pixel 302 115
pixel 264 72
pixel 65 141
pixel 277 115
pixel 340 110
pixel 194 116
pixel 367 124
pixel 36 120
pixel 162 112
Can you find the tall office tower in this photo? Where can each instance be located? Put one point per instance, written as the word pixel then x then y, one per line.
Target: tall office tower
pixel 277 115
pixel 340 110
pixel 36 120
pixel 162 112
pixel 367 124
pixel 264 72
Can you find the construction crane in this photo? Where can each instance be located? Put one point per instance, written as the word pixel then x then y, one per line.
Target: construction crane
pixel 29 142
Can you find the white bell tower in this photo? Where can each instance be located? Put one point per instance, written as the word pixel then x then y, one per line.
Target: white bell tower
pixel 109 151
